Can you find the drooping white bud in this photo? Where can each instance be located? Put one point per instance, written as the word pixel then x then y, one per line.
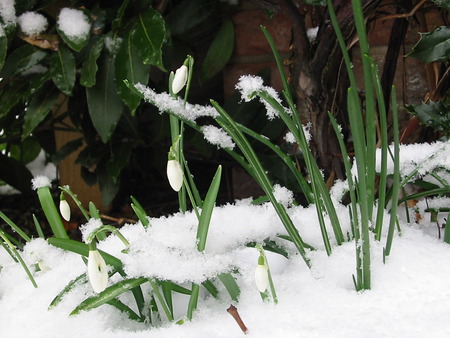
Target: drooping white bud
pixel 261 278
pixel 180 79
pixel 97 271
pixel 64 209
pixel 175 174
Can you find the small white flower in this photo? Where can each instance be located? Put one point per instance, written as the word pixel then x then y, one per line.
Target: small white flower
pixel 97 271
pixel 175 174
pixel 64 209
pixel 261 278
pixel 180 79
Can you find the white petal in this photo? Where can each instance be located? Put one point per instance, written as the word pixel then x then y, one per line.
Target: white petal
pixel 261 278
pixel 180 79
pixel 97 271
pixel 64 209
pixel 175 174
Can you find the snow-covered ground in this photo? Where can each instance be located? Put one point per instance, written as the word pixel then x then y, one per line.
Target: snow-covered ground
pixel 410 294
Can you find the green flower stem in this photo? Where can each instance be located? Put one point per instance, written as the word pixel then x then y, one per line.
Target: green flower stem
pixel 69 192
pixel 50 211
pixel 396 183
pixel 193 300
pixel 191 196
pixel 18 257
pixel 15 227
pixel 109 228
pixel 161 299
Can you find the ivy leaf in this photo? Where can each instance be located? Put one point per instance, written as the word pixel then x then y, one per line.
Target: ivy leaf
pixel 39 107
pixel 90 68
pixel 62 70
pixel 21 59
pixel 105 106
pixel 219 52
pixel 148 35
pixel 433 114
pixel 433 46
pixel 129 67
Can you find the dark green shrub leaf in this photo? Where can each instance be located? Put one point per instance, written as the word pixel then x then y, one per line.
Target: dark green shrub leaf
pixel 219 52
pixel 108 186
pixel 89 68
pixel 433 114
pixel 116 163
pixel 3 49
pixel 443 3
pixel 62 70
pixel 39 107
pixel 26 151
pixel 129 67
pixel 433 46
pixel 148 36
pixel 66 150
pixel 188 14
pixel 14 173
pixel 105 106
pixel 108 294
pixel 22 59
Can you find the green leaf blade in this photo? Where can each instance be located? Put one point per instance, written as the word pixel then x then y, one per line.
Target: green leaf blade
pixel 90 68
pixel 62 70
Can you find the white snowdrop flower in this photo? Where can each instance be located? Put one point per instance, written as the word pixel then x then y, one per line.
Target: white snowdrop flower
pixel 175 174
pixel 42 266
pixel 180 79
pixel 74 23
pixel 64 209
pixel 32 23
pixel 40 181
pixel 97 271
pixel 262 277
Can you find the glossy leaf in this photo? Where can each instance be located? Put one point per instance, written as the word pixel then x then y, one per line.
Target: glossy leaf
pixel 3 49
pixel 90 68
pixel 77 43
pixel 219 52
pixel 433 114
pixel 129 66
pixel 22 59
pixel 62 70
pixel 433 46
pixel 39 107
pixel 105 106
pixel 108 294
pixel 15 173
pixel 148 35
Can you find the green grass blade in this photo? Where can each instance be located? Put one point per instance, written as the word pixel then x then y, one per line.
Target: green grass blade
pixel 230 284
pixel 125 309
pixel 51 212
pixel 161 299
pixel 109 293
pixel 81 279
pixel 38 227
pixel 140 212
pixel 15 227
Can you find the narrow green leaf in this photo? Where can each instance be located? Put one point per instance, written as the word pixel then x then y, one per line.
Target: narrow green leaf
pixel 62 69
pixel 81 279
pixel 83 249
pixel 15 227
pixel 90 68
pixel 433 46
pixel 129 66
pixel 207 209
pixel 230 284
pixel 148 36
pixel 22 59
pixel 39 107
pixel 38 227
pixel 141 215
pixel 105 106
pixel 51 212
pixel 125 309
pixel 211 288
pixel 219 51
pixel 108 294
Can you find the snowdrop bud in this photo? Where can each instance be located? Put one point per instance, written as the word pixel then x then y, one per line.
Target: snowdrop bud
pixel 64 209
pixel 180 79
pixel 175 174
pixel 97 271
pixel 261 278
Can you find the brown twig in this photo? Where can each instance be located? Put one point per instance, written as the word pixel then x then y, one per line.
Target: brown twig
pixel 405 15
pixel 235 314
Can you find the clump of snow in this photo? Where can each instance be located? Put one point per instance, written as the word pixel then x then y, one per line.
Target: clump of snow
pixel 283 195
pixel 88 228
pixel 166 103
pixel 249 86
pixel 73 23
pixel 113 45
pixel 40 181
pixel 7 12
pixel 338 190
pixel 311 33
pixel 32 23
pixel 218 136
pixel 290 138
